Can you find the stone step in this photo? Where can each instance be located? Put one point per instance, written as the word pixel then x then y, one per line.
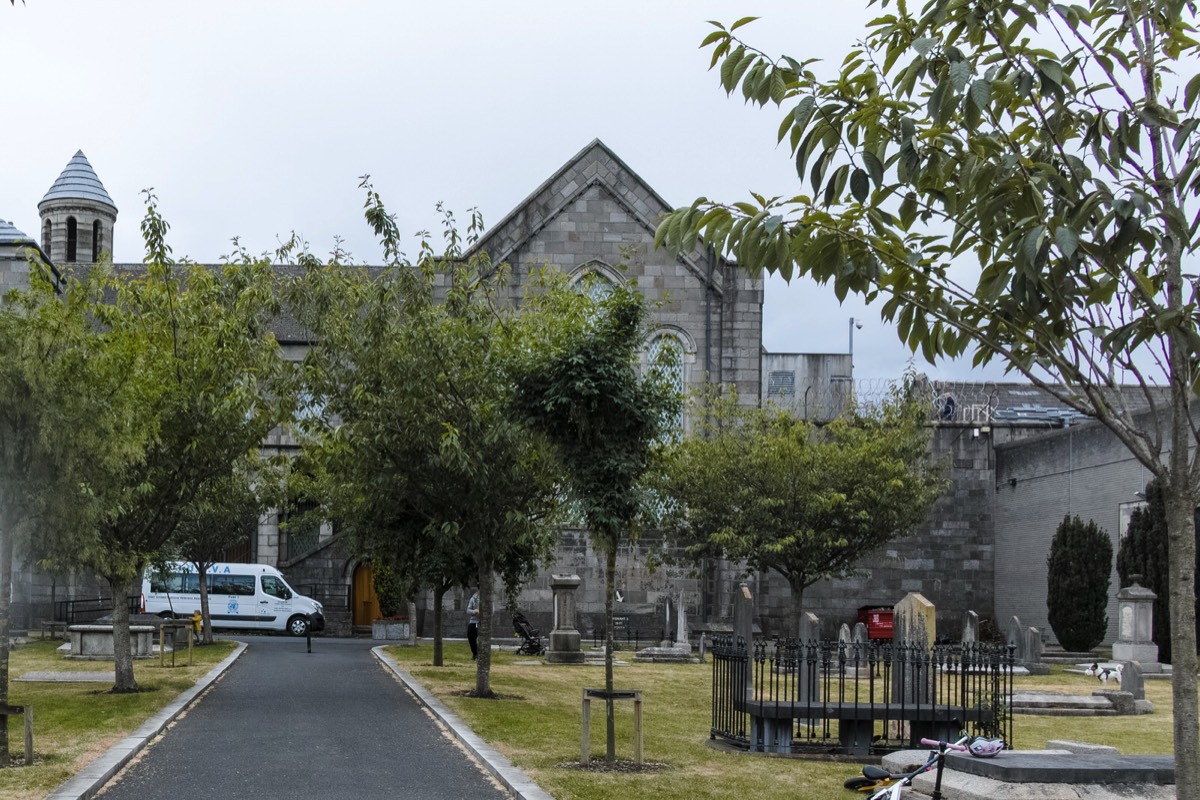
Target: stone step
pixel 1043 711
pixel 1046 700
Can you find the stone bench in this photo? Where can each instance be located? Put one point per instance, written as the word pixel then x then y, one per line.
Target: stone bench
pixel 95 642
pixel 771 722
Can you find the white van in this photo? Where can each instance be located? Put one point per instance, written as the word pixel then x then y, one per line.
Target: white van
pixel 251 596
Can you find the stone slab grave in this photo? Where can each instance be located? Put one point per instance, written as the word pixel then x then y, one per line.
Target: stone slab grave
pixel 1073 772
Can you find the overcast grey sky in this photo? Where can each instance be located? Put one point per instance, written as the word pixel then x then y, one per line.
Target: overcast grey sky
pixel 254 119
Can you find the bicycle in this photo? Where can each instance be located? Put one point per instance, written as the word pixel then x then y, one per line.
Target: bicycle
pixel 890 785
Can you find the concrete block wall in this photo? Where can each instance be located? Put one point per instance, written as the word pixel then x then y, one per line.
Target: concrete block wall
pixel 1079 471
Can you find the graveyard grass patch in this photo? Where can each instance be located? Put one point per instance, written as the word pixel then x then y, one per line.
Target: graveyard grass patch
pixel 73 723
pixel 540 733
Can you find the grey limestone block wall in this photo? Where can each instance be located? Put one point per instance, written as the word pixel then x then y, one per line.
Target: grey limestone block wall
pixel 950 559
pixel 14 268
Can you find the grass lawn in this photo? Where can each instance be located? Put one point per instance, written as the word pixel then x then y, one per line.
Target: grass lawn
pixel 537 727
pixel 73 723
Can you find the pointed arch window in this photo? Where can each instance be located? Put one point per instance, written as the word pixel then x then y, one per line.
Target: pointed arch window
pixel 72 239
pixel 96 231
pixel 664 355
pixel 47 229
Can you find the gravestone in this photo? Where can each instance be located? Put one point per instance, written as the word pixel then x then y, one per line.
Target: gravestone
pixel 808 673
pixel 860 636
pixel 682 640
pixel 677 652
pixel 914 631
pixel 970 633
pixel 1016 640
pixel 844 635
pixel 1135 628
pixel 564 639
pixel 914 621
pixel 742 676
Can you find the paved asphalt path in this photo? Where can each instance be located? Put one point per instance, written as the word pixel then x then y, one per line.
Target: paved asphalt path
pixel 285 723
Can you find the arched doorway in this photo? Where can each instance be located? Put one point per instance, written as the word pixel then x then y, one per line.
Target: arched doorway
pixel 365 603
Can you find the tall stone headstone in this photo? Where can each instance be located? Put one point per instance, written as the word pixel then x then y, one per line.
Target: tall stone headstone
pixel 970 633
pixel 860 635
pixel 741 675
pixel 808 675
pixel 914 631
pixel 914 620
pixel 1135 627
pixel 743 614
pixel 564 639
pixel 1015 637
pixel 682 640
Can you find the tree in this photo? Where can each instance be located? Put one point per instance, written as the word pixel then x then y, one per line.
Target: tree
pixel 1077 578
pixel 1054 145
pixel 1142 557
pixel 420 455
pixel 762 486
pixel 64 404
pixel 223 513
pixel 207 376
pixel 581 389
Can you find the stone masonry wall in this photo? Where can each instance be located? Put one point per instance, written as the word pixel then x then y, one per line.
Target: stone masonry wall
pixel 950 559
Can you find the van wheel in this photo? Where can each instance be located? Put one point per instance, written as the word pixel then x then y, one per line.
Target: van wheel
pixel 166 615
pixel 298 626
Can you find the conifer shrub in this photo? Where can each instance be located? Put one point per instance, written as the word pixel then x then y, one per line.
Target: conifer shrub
pixel 1077 582
pixel 1143 553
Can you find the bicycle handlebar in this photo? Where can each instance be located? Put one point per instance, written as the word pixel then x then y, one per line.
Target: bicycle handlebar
pixel 947 745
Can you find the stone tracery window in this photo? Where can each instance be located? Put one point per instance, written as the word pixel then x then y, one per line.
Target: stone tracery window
pixel 665 354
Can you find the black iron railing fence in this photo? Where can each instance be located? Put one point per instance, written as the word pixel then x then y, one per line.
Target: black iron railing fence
pixel 75 612
pixel 827 687
pixel 334 596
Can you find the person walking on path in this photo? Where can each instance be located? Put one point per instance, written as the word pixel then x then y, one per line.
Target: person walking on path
pixel 473 625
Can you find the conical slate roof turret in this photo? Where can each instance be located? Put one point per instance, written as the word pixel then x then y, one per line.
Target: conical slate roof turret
pixel 78 182
pixel 10 234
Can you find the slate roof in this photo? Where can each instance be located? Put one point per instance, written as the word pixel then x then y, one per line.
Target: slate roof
pixel 78 182
pixel 10 234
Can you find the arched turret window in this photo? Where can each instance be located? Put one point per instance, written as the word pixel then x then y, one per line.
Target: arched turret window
pixel 46 230
pixel 96 231
pixel 72 239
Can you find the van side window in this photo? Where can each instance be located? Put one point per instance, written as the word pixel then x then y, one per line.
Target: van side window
pixel 275 587
pixel 231 584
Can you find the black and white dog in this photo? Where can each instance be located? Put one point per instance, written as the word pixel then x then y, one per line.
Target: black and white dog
pixel 1105 673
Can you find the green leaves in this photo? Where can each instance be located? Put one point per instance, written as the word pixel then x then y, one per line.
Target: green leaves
pixel 808 501
pixel 954 142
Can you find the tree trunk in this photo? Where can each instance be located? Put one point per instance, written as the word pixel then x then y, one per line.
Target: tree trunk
pixel 7 535
pixel 610 730
pixel 205 614
pixel 412 623
pixel 483 664
pixel 439 594
pixel 122 646
pixel 1181 534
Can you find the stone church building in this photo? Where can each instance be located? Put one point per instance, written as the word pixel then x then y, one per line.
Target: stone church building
pixel 1009 449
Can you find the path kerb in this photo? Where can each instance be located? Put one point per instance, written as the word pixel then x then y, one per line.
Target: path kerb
pixel 89 780
pixel 514 779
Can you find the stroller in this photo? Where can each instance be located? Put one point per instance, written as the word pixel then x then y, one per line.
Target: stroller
pixel 531 639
